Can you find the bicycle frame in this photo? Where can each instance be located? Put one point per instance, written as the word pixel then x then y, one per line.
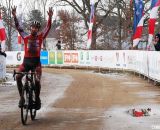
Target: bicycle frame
pixel 28 92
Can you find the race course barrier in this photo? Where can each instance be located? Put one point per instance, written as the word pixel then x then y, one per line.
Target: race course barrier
pixel 143 62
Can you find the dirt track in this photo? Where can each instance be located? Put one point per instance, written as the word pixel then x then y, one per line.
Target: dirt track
pixel 81 100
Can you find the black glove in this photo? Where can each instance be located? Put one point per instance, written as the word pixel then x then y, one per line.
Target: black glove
pixel 3 53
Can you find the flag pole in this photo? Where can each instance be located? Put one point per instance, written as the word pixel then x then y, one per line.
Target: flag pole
pixel 91 22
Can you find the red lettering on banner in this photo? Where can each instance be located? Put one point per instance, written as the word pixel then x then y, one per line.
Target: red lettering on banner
pixel 74 57
pixel 67 57
pixel 71 57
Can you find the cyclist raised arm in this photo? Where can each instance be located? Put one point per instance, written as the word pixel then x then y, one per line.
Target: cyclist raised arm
pixel 32 48
pixel 18 27
pixel 47 28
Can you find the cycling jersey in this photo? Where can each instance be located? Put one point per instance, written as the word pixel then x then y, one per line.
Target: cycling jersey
pixel 32 44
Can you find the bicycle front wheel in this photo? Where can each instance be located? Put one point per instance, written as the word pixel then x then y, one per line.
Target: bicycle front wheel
pixel 25 107
pixel 32 108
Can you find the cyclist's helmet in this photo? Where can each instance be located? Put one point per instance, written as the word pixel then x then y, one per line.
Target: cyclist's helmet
pixel 36 24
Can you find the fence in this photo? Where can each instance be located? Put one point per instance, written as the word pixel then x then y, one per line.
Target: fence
pixel 143 62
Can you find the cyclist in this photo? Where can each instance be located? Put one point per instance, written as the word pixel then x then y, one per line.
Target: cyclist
pixel 32 48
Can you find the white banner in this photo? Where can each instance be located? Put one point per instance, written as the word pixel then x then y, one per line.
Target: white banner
pixel 14 57
pixel 144 62
pixel 154 65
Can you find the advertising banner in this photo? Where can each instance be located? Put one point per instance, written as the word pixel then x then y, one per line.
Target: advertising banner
pixel 71 57
pixel 97 58
pixel 131 60
pixel 144 62
pixel 59 57
pixel 44 57
pixel 84 58
pixel 14 57
pixel 104 58
pixel 154 64
pixel 124 60
pixel 19 57
pixel 52 57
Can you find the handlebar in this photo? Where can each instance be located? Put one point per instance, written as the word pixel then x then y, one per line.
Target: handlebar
pixel 22 73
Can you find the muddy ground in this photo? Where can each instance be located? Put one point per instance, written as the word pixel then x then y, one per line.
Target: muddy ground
pixel 85 100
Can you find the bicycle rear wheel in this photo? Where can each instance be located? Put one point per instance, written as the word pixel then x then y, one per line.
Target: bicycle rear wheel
pixel 25 107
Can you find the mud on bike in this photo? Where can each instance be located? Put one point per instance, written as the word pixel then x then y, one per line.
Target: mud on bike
pixel 28 92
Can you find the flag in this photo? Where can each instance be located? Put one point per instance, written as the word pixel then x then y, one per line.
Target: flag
pixel 152 20
pixel 20 23
pixel 138 21
pixel 19 39
pixel 131 2
pixel 2 33
pixel 91 22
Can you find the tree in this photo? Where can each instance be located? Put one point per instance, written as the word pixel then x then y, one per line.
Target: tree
pixel 37 4
pixel 35 15
pixel 103 8
pixel 44 3
pixel 67 31
pixel 8 23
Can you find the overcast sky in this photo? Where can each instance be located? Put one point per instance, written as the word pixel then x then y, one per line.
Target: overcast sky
pixel 28 5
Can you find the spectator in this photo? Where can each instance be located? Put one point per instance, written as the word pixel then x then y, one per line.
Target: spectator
pixel 58 45
pixel 1 52
pixel 157 42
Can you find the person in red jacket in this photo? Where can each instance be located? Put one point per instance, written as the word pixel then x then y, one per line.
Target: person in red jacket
pixel 32 48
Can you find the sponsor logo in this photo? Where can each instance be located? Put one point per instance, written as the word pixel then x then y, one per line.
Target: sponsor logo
pixel 98 58
pixel 59 57
pixel 44 57
pixel 124 59
pixel 81 55
pixel 117 57
pixel 19 57
pixel 71 57
pixel 155 127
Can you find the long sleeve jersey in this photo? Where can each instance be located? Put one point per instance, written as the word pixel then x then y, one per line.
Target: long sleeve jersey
pixel 32 44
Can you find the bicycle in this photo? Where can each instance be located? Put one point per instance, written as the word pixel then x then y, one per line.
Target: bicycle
pixel 28 92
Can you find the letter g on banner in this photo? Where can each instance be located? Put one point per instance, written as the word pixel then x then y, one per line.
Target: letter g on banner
pixel 19 56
